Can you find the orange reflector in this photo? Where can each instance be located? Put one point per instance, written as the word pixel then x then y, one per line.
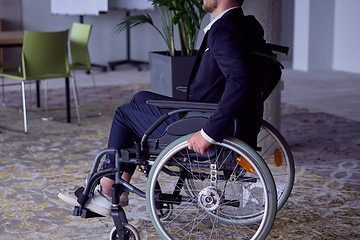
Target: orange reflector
pixel 245 164
pixel 277 157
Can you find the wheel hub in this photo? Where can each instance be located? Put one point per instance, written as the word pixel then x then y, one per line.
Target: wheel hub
pixel 209 198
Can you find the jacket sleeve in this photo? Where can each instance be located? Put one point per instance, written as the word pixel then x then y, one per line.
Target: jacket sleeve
pixel 228 45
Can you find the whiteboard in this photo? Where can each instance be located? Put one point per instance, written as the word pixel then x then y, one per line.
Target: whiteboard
pixel 78 7
pixel 93 7
pixel 131 4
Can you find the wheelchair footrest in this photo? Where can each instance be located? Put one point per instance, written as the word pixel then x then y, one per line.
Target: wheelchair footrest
pixel 85 213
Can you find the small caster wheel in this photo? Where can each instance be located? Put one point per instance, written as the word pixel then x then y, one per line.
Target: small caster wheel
pixel 165 212
pixel 130 233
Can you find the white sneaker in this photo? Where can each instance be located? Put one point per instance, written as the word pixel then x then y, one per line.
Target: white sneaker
pixel 98 203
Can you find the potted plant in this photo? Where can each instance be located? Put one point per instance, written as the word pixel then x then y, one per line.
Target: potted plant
pixel 171 68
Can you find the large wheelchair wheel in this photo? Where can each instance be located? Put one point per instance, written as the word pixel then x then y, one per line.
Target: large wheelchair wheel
pixel 232 194
pixel 277 154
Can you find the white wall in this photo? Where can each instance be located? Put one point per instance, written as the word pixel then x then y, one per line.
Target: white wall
pixel 327 35
pixel 313 34
pixel 321 34
pixel 301 34
pixel 347 36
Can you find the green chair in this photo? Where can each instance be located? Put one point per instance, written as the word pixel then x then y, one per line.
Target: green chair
pixel 80 57
pixel 44 56
pixel 5 66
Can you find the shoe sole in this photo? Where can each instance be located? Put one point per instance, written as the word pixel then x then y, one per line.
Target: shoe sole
pixel 69 199
pixel 92 207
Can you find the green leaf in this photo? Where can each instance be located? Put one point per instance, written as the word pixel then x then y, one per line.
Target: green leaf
pixel 186 14
pixel 132 21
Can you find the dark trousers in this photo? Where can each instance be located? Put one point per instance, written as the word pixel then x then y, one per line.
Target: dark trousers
pixel 130 122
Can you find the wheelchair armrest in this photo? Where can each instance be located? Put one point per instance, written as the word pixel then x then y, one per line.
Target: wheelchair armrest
pixel 177 104
pixel 278 48
pixel 182 88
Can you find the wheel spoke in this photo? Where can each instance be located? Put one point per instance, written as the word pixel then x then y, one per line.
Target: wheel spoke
pixel 219 202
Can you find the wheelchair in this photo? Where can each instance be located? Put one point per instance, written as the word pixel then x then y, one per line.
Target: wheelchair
pixel 229 192
pixel 232 191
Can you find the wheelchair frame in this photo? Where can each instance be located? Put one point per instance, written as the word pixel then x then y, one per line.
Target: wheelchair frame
pixel 142 154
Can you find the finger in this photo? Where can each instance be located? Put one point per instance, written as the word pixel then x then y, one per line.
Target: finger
pixel 196 149
pixel 190 145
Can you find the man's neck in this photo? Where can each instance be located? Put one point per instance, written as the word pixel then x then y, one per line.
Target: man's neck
pixel 223 7
pixel 216 13
pixel 207 28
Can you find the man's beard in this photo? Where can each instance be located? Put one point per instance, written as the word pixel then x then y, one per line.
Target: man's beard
pixel 210 6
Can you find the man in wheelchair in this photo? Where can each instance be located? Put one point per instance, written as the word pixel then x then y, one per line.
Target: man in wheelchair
pixel 226 72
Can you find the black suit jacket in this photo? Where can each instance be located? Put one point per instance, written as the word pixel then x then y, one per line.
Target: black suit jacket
pixel 227 73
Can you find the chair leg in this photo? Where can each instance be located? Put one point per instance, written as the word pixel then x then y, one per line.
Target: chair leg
pixel 96 92
pixel 76 100
pixel 46 118
pixel 75 87
pixel 30 95
pixel 46 99
pixel 24 105
pixel 3 91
